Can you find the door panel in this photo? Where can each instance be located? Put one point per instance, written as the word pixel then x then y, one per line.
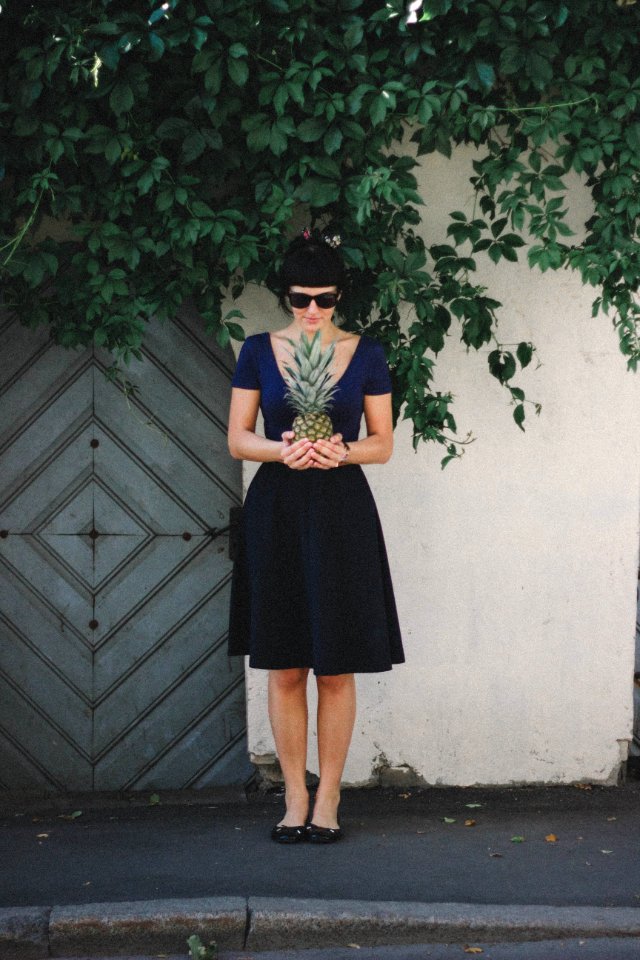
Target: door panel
pixel 114 587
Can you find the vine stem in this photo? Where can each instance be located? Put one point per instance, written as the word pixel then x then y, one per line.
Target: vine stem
pixel 271 63
pixel 15 242
pixel 546 106
pixel 468 439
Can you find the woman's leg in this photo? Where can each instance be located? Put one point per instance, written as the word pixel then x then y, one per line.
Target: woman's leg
pixel 288 715
pixel 336 717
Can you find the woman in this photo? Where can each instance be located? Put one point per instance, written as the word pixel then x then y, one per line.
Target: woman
pixel 311 587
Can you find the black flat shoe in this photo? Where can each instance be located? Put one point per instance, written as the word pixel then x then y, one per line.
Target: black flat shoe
pixel 282 834
pixel 317 834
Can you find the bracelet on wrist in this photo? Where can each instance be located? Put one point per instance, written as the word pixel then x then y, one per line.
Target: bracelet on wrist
pixel 347 451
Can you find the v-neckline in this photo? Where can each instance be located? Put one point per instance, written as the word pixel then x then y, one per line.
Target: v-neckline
pixel 339 380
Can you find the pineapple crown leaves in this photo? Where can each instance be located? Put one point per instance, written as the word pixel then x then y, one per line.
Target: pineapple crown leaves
pixel 310 382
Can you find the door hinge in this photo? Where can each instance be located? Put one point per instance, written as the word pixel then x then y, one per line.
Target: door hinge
pixel 232 529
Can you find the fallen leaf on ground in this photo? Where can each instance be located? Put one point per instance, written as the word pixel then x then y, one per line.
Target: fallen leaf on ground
pixel 200 951
pixel 583 786
pixel 609 819
pixel 470 823
pixel 41 836
pixel 448 819
pixel 404 795
pixel 551 838
pixel 606 851
pixel 472 805
pixel 153 799
pixel 496 854
pixel 70 816
pixel 354 946
pixel 473 950
pixel 517 839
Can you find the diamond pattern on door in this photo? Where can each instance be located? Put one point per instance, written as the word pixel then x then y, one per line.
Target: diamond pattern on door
pixel 114 585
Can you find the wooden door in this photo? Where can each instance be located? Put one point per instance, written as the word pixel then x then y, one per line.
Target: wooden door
pixel 114 584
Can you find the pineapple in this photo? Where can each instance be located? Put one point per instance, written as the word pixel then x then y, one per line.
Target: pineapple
pixel 310 388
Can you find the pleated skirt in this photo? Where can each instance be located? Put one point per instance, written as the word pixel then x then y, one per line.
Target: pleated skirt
pixel 311 583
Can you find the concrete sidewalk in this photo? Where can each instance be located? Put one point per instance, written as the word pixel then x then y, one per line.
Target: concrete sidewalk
pixel 103 876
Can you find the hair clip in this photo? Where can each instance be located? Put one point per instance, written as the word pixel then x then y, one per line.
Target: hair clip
pixel 334 241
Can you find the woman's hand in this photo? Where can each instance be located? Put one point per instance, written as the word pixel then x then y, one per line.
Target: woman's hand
pixel 328 453
pixel 298 454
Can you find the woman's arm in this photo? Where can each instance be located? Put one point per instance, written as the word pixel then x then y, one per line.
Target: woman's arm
pixel 376 447
pixel 244 442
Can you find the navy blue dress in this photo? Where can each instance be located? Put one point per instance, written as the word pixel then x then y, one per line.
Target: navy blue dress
pixel 311 583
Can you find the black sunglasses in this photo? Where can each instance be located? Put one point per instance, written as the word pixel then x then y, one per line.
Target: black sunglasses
pixel 323 300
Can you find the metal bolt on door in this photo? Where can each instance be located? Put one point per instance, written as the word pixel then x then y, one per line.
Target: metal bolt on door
pixel 114 567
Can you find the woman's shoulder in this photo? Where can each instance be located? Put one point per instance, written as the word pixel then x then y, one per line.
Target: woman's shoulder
pixel 254 344
pixel 374 362
pixel 370 345
pixel 254 339
pixel 252 360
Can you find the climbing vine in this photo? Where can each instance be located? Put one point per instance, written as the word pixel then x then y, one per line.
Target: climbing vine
pixel 154 151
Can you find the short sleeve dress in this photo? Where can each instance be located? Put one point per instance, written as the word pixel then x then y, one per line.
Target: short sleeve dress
pixel 311 585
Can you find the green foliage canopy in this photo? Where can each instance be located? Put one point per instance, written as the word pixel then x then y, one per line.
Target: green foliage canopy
pixel 177 142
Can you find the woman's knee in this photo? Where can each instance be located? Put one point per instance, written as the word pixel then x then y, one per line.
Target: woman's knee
pixel 335 684
pixel 289 679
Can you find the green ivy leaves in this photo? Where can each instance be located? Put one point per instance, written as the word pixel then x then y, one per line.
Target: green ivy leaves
pixel 179 143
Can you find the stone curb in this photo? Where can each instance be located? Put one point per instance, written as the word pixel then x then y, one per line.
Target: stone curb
pixel 111 929
pixel 267 923
pixel 152 926
pixel 24 933
pixel 281 924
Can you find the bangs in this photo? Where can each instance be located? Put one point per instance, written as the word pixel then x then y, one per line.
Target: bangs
pixel 309 262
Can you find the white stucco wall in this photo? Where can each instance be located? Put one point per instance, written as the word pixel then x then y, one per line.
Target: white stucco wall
pixel 515 568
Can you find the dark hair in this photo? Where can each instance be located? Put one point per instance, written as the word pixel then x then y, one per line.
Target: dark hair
pixel 310 262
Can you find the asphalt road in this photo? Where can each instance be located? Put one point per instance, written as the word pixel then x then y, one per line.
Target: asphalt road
pixel 398 846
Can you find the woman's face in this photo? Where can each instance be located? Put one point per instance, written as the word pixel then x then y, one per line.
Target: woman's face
pixel 313 317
